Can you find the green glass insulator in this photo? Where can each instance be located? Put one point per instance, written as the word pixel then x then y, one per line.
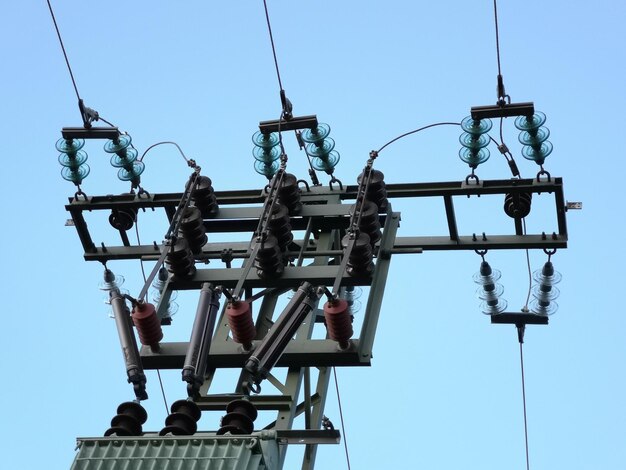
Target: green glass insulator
pixel 266 155
pixel 474 141
pixel 476 126
pixel 73 161
pixel 135 172
pixel 321 149
pixel 75 175
pixel 524 123
pixel 316 135
pixel 534 138
pixel 266 141
pixel 122 143
pixel 474 157
pixel 125 161
pixel 69 145
pixel 328 163
pixel 538 153
pixel 266 169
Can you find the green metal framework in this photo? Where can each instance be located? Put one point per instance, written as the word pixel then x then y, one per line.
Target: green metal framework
pixel 325 214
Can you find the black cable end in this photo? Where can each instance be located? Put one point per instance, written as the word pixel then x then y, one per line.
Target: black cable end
pixel 521 328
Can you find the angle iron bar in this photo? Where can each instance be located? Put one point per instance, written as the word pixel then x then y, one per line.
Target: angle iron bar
pixel 450 216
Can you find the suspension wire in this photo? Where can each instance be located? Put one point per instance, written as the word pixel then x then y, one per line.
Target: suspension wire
pixel 269 29
pixel 343 429
pixel 67 61
pixel 416 131
pixel 495 14
pixel 530 276
pixel 163 143
pixel 143 273
pixel 521 357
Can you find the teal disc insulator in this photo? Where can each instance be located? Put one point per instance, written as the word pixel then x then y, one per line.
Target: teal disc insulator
pixel 266 169
pixel 122 143
pixel 534 138
pixel 524 123
pixel 316 135
pixel 75 175
pixel 476 126
pixel 266 155
pixel 69 146
pixel 126 160
pixel 321 149
pixel 73 161
pixel 474 157
pixel 327 164
pixel 266 141
pixel 135 172
pixel 474 141
pixel 538 153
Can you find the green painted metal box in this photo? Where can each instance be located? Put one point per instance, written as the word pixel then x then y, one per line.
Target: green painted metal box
pixel 198 452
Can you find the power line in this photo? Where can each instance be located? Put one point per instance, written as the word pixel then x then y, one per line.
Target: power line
pixel 416 131
pixel 269 28
pixel 69 68
pixel 495 14
pixel 521 357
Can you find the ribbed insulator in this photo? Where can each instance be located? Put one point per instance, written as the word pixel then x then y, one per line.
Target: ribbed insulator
pixel 203 197
pixel 360 260
pixel 183 419
pixel 128 420
pixel 180 259
pixel 369 222
pixel 148 325
pixel 239 418
pixel 123 219
pixel 240 322
pixel 376 190
pixel 338 321
pixel 192 229
pixel 289 193
pixel 280 226
pixel 269 259
pixel 517 206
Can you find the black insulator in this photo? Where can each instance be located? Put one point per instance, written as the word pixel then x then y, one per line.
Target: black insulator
pixel 239 418
pixel 280 226
pixel 369 222
pixel 180 259
pixel 183 419
pixel 123 219
pixel 360 258
pixel 339 321
pixel 240 321
pixel 268 258
pixel 148 325
pixel 376 190
pixel 203 197
pixel 517 205
pixel 289 193
pixel 192 229
pixel 128 420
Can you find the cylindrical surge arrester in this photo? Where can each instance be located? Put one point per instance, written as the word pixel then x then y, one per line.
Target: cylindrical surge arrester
pixel 123 322
pixel 200 342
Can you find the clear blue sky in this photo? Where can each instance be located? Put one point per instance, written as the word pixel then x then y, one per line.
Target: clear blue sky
pixel 444 389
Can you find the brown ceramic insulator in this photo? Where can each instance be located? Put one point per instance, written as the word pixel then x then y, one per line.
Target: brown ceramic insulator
pixel 240 322
pixel 280 226
pixel 192 229
pixel 148 324
pixel 269 259
pixel 517 207
pixel 360 259
pixel 203 197
pixel 338 321
pixel 239 418
pixel 289 193
pixel 128 420
pixel 369 222
pixel 376 190
pixel 180 259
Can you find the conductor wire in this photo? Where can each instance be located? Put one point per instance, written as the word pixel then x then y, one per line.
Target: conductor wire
pixel 269 28
pixel 495 14
pixel 521 357
pixel 69 68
